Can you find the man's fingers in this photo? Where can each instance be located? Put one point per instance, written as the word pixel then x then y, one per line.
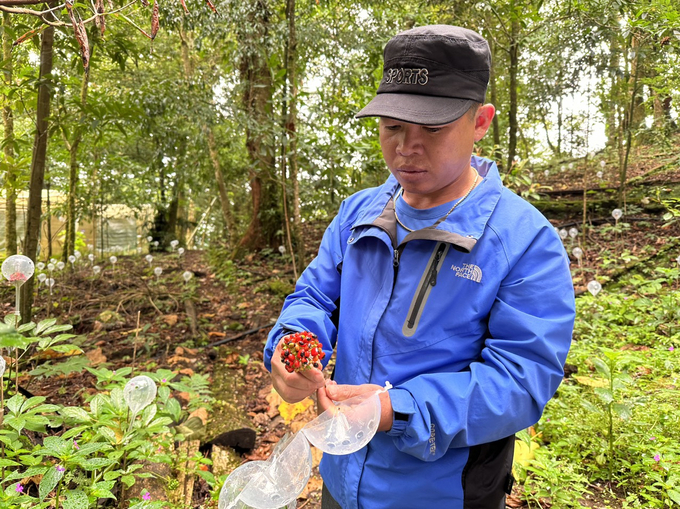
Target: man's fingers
pixel 315 376
pixel 294 387
pixel 323 401
pixel 343 392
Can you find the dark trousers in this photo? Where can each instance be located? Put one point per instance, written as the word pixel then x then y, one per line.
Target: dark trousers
pixel 327 500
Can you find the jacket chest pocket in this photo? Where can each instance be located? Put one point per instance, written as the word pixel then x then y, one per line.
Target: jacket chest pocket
pixel 427 282
pixel 433 302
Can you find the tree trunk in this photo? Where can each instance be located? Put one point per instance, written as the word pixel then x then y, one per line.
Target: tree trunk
pixel 257 78
pixel 496 130
pixel 94 206
pixel 71 205
pixel 38 166
pixel 298 247
pixel 227 214
pixel 560 121
pixel 159 230
pixel 513 70
pixel 611 105
pixel 173 208
pixel 629 123
pixel 637 70
pixel 8 149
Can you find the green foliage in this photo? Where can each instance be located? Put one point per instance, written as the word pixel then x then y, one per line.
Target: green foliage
pixel 103 447
pixel 616 419
pixel 519 181
pixel 280 288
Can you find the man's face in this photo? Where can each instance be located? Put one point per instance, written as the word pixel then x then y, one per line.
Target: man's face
pixel 429 161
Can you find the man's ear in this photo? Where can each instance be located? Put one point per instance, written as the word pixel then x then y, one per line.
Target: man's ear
pixel 483 120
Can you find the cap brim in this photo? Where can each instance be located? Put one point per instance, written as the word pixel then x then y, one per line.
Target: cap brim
pixel 416 109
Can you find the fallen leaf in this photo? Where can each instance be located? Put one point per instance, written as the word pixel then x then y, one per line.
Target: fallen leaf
pixel 261 419
pixel 96 356
pixel 231 358
pixel 313 485
pixel 513 501
pixel 48 353
pixel 184 397
pixel 201 413
pixel 591 382
pixel 643 371
pixel 170 320
pixel 524 453
pixel 635 348
pixel 187 371
pixel 273 398
pixel 266 391
pixel 213 334
pixel 288 411
pixel 272 411
pixel 131 331
pixel 176 359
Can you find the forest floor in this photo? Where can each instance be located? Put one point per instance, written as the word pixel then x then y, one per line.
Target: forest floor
pixel 128 315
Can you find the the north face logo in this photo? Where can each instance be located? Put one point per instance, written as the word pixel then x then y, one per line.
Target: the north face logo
pixel 468 271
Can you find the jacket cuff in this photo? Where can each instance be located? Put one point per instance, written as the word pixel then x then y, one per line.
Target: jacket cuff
pixel 271 346
pixel 404 405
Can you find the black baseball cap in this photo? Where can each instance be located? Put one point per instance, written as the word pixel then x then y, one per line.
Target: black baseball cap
pixel 431 75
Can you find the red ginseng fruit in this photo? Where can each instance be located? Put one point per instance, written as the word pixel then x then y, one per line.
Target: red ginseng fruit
pixel 301 351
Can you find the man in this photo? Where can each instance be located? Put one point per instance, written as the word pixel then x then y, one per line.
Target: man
pixel 442 282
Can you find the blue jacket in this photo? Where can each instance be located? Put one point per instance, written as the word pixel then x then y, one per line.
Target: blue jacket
pixel 470 321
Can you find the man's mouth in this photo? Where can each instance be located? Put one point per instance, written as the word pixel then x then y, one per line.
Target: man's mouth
pixel 410 169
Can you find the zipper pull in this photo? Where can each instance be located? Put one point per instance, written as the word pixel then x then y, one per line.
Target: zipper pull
pixel 395 261
pixel 435 264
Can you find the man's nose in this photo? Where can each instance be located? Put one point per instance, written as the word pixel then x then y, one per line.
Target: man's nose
pixel 409 143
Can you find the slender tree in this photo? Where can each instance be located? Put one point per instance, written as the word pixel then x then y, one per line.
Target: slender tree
pixel 38 166
pixel 290 155
pixel 258 88
pixel 8 143
pixel 74 168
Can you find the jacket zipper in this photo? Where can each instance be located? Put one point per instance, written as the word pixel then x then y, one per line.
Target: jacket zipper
pixel 431 279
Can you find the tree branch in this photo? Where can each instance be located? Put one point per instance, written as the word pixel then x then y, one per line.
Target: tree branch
pixel 10 3
pixel 4 7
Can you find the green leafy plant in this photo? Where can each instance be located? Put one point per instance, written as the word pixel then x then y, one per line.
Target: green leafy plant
pixel 102 448
pixel 609 403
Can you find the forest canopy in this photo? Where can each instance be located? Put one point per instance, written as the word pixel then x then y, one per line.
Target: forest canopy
pixel 221 109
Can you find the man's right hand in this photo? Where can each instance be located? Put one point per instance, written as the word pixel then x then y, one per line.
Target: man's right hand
pixel 294 387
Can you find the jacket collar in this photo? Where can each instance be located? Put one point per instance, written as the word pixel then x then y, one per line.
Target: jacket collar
pixel 462 228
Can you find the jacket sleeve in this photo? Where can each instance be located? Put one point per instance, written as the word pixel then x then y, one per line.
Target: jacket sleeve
pixel 310 306
pixel 520 367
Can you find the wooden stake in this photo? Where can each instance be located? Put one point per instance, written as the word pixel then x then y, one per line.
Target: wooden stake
pixel 134 348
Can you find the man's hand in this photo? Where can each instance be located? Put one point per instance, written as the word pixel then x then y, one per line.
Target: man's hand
pixel 334 392
pixel 294 387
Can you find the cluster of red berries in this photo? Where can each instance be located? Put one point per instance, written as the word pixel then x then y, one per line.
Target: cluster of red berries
pixel 300 351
